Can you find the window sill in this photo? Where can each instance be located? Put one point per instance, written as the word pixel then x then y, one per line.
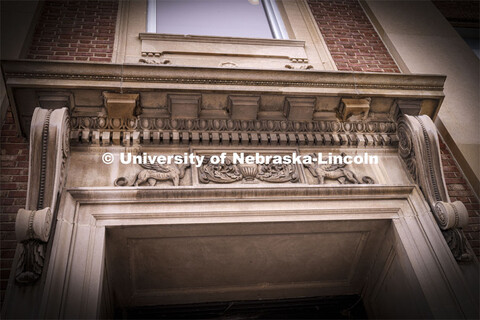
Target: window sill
pixel 222 51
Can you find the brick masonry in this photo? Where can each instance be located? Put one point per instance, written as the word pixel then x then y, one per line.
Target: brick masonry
pixel 75 30
pixel 459 189
pixel 13 190
pixel 352 40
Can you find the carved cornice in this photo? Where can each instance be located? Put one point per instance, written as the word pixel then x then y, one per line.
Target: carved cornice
pixel 123 74
pixel 215 81
pixel 101 130
pixel 301 92
pixel 420 150
pixel 208 125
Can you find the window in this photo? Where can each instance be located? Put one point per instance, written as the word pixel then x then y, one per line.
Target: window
pixel 227 18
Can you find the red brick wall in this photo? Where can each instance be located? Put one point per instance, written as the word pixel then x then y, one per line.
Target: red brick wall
pixel 459 189
pixel 75 30
pixel 13 190
pixel 352 40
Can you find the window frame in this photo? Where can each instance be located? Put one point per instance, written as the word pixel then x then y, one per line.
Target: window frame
pixel 272 13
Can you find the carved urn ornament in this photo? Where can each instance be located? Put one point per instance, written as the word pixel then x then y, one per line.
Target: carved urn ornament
pixel 249 171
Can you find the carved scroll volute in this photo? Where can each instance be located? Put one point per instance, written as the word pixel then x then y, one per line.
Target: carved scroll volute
pixel 420 150
pixel 49 149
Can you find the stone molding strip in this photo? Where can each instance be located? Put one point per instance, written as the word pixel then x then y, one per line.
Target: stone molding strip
pixel 216 39
pixel 103 131
pixel 125 75
pixel 212 125
pixel 234 192
pixel 125 138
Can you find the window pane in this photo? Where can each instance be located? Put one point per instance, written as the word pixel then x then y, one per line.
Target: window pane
pixel 228 18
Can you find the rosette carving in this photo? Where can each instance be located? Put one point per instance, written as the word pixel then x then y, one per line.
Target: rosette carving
pixel 450 214
pixel 219 173
pixel 278 173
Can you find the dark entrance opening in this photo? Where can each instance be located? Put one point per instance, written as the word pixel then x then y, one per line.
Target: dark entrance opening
pixel 336 307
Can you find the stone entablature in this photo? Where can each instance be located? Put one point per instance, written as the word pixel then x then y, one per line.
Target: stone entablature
pixel 166 110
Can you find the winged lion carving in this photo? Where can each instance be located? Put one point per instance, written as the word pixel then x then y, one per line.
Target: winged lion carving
pixel 152 173
pixel 336 172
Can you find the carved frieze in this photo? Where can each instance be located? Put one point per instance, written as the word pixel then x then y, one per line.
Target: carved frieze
pixel 420 151
pixel 213 167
